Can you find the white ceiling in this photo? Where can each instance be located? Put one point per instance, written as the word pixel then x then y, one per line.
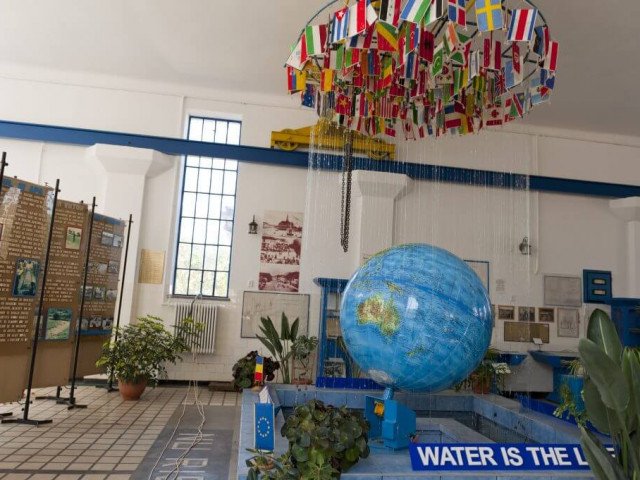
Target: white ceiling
pixel 241 45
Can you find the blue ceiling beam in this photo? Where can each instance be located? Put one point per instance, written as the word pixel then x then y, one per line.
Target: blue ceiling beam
pixel 175 146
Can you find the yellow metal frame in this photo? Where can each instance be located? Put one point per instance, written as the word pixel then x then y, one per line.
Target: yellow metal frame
pixel 330 137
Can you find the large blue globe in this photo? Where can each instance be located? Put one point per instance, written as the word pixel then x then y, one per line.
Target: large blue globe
pixel 416 317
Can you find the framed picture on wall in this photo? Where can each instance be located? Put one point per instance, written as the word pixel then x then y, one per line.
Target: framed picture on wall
pixel 526 314
pixel 506 312
pixel 568 322
pixel 562 291
pixel 546 314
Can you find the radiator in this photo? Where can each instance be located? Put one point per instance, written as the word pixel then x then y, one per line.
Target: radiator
pixel 206 314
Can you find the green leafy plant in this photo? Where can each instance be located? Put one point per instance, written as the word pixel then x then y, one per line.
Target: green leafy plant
pixel 245 368
pixel 264 465
pixel 301 349
pixel 324 440
pixel 568 405
pixel 487 372
pixel 280 344
pixel 144 348
pixel 611 395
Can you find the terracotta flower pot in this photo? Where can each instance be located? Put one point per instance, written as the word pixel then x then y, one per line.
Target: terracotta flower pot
pixel 131 391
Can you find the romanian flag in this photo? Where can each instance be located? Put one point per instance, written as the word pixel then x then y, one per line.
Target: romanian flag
pixel 258 376
pixel 489 15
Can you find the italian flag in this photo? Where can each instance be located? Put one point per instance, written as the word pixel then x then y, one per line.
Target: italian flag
pixel 315 37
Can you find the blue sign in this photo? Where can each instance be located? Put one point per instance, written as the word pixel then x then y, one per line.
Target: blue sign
pixel 497 456
pixel 264 426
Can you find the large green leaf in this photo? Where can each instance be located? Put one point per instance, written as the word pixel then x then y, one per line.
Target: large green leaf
pixel 596 410
pixel 606 375
pixel 631 369
pixel 602 332
pixel 294 329
pixel 267 344
pixel 602 464
pixel 285 333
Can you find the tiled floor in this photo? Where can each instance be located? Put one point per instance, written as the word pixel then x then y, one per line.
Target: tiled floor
pixel 105 441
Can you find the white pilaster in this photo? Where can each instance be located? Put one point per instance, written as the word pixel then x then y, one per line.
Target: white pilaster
pixel 628 209
pixel 374 200
pixel 125 170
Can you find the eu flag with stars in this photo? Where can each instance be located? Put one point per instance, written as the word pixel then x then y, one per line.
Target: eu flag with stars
pixel 264 426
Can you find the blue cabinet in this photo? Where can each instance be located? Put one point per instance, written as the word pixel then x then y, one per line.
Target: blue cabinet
pixel 626 317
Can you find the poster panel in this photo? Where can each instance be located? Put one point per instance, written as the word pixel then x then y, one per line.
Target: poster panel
pixel 61 300
pixel 280 252
pixel 101 292
pixel 24 219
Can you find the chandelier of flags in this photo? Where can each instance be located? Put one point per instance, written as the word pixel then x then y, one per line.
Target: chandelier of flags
pixel 426 67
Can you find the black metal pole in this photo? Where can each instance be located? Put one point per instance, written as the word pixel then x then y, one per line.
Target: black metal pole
pixel 72 399
pixel 110 387
pixel 36 337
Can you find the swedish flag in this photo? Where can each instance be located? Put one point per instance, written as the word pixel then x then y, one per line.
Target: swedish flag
pixel 489 15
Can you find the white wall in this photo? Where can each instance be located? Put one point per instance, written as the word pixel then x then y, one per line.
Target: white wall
pixel 569 232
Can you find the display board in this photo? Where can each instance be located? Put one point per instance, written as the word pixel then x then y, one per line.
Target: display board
pixel 24 219
pixel 265 304
pixel 525 332
pixel 562 290
pixel 101 291
pixel 61 301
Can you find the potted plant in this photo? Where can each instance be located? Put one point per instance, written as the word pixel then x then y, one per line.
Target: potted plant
pixel 301 349
pixel 279 344
pixel 488 375
pixel 141 352
pixel 245 368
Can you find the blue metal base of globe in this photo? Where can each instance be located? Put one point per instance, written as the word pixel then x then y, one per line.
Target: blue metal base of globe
pixel 392 424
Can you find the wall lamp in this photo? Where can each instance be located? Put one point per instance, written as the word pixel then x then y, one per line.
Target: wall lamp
pixel 525 246
pixel 253 226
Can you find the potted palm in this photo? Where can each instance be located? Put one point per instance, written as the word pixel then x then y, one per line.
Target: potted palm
pixel 142 350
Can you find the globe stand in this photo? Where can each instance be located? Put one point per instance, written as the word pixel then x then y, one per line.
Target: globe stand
pixel 392 425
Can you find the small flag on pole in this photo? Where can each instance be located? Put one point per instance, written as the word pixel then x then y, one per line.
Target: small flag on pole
pixel 340 25
pixel 315 37
pixel 523 21
pixel 258 375
pixel 489 15
pixel 263 414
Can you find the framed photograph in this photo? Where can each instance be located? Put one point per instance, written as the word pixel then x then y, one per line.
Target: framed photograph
pixel 506 312
pixel 57 324
pixel 568 322
pixel 256 305
pixel 113 267
pixel 526 314
pixel 546 314
pixel 112 295
pixel 117 241
pixel 73 238
pixel 481 268
pixel 562 291
pixel 107 239
pixel 25 282
pixel 99 293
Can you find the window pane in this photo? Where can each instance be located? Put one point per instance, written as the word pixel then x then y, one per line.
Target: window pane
pixel 186 230
pixel 221 132
pixel 200 231
pixel 181 282
pixel 233 135
pixel 195 129
pixel 225 233
pixel 205 162
pixel 209 131
pixel 213 226
pixel 222 281
pixel 202 204
pixel 214 206
pixel 227 207
pixel 229 183
pixel 193 161
pixel 231 164
pixel 189 205
pixel 218 163
pixel 191 179
pixel 224 258
pixel 194 282
pixel 211 252
pixel 197 256
pixel 216 181
pixel 203 180
pixel 184 255
pixel 207 283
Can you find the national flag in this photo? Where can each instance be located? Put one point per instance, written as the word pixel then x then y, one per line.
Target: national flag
pixel 511 76
pixel 296 79
pixel 390 12
pixel 363 41
pixel 360 106
pixel 458 12
pixel 425 49
pixel 489 15
pixel 387 37
pixel 474 64
pixel 258 374
pixel 264 426
pixel 357 17
pixel 408 130
pixel 387 73
pixel 347 57
pixel 541 42
pixel 411 66
pixel 537 93
pixel 547 81
pixel 371 14
pixel 454 114
pixel 451 37
pixel 435 11
pixel 373 63
pixel 386 107
pixel 446 76
pixel 492 115
pixel 517 60
pixel 326 79
pixel 315 40
pixel 523 21
pixel 411 37
pixel 509 110
pixel 438 60
pixel 357 79
pixel 415 10
pixel 298 56
pixel 551 58
pixel 340 25
pixel 308 97
pixel 492 54
pixel 343 105
pixel 518 100
pixel 390 128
